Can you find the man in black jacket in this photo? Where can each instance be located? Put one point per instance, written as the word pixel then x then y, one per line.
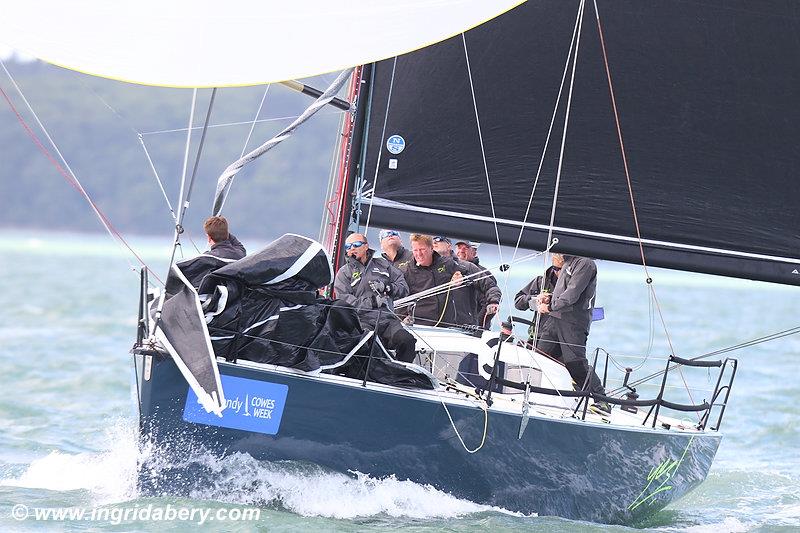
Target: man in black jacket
pixel 570 308
pixel 480 293
pixel 370 283
pixel 429 270
pixel 222 243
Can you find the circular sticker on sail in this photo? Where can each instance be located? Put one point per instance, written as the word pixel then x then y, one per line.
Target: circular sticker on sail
pixel 395 144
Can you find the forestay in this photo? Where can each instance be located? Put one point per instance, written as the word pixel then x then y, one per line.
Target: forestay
pixel 708 112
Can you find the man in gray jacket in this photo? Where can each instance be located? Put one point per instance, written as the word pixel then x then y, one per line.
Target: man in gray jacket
pixel 531 295
pixel 370 283
pixel 393 250
pixel 570 309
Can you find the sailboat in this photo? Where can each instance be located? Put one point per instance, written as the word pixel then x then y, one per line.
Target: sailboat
pixel 511 132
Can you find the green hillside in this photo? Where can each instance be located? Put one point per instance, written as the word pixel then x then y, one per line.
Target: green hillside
pixel 283 191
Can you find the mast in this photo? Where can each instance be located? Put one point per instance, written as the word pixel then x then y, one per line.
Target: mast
pixel 339 203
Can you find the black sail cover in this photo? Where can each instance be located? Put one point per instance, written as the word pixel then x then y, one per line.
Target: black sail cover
pixel 265 308
pixel 183 334
pixel 707 93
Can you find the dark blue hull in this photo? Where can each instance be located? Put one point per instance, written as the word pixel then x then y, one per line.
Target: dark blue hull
pixel 565 467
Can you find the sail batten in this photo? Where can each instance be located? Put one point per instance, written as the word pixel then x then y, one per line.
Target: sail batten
pixel 710 122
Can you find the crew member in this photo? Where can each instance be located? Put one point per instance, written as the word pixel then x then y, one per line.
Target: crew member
pixel 570 309
pixel 223 244
pixel 538 291
pixel 429 270
pixel 370 284
pixel 479 293
pixel 224 249
pixel 468 251
pixel 393 250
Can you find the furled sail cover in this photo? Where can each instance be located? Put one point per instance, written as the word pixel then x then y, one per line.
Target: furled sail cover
pixel 708 98
pixel 265 308
pixel 205 43
pixel 182 331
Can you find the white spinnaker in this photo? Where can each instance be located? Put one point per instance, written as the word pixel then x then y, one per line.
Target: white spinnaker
pixel 205 43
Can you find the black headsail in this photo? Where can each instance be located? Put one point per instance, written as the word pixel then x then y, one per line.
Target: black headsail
pixel 707 93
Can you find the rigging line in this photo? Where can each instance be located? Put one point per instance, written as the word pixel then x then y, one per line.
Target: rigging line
pixel 184 205
pixel 158 178
pixel 549 133
pixel 630 186
pixel 105 103
pixel 240 123
pixel 566 124
pixel 539 170
pixel 753 342
pixel 745 344
pixel 225 181
pixel 327 213
pixel 255 119
pixel 139 135
pixel 199 152
pixel 68 174
pixel 485 426
pixel 380 146
pixel 483 149
pixel 183 172
pixel 564 136
pixel 474 276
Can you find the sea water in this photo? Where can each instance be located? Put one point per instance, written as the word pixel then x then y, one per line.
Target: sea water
pixel 68 427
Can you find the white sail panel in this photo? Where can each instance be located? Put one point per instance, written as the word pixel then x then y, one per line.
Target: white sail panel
pixel 204 43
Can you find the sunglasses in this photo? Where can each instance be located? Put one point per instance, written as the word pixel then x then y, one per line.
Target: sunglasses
pixel 390 233
pixel 440 239
pixel 357 244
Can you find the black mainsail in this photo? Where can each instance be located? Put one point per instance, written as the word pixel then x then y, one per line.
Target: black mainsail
pixel 707 95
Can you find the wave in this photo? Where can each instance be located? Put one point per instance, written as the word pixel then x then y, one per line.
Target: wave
pixel 304 489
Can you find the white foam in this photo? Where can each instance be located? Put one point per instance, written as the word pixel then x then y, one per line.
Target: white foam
pixel 313 492
pixel 309 490
pixel 304 489
pixel 110 476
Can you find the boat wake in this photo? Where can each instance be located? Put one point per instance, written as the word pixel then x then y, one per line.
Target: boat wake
pixel 304 489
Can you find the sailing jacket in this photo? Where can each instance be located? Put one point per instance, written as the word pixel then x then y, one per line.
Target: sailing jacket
pixel 230 248
pixel 403 258
pixel 476 293
pixel 353 279
pixel 489 293
pixel 574 293
pixel 433 309
pixel 534 288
